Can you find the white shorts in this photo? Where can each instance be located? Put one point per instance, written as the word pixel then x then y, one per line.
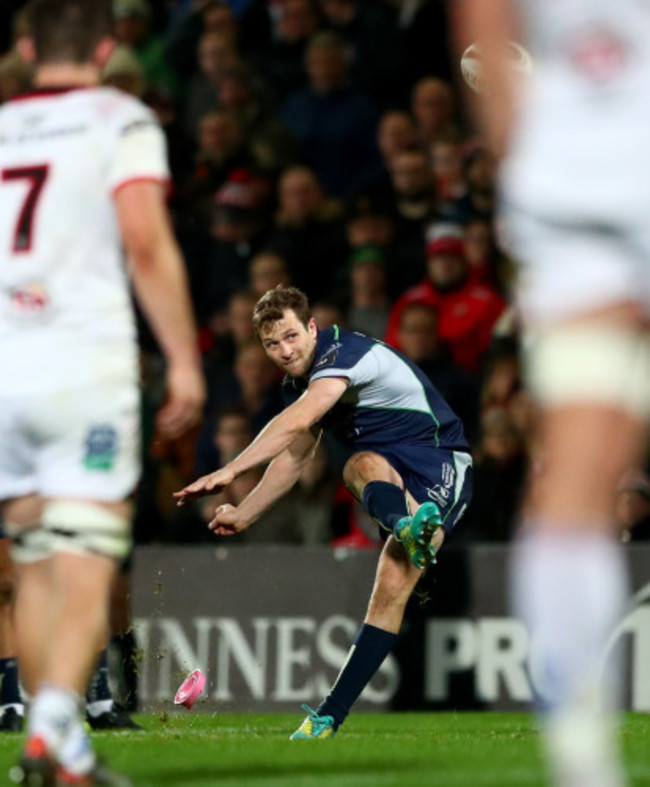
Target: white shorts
pixel 81 443
pixel 568 269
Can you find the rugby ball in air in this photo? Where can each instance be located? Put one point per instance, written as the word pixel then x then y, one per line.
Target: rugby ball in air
pixel 471 68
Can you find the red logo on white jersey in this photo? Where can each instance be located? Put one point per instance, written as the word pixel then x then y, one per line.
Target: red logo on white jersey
pixel 601 55
pixel 32 299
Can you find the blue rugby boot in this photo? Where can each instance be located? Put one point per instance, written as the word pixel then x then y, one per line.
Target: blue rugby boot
pixel 314 727
pixel 415 534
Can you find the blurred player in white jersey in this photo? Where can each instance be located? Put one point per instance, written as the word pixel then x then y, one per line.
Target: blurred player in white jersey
pixel 82 174
pixel 576 190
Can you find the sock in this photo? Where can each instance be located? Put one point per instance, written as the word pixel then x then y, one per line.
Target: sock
pixel 76 753
pixel 127 649
pixel 10 696
pixel 99 698
pixel 370 648
pixel 386 503
pixel 570 588
pixel 53 713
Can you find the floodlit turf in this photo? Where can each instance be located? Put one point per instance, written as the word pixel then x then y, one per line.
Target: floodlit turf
pixel 454 750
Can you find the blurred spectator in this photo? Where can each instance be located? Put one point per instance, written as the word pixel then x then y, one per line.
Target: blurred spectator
pixel 502 375
pixel 125 72
pixel 221 152
pixel 15 76
pixel 132 28
pixel 416 205
pixel 308 231
pixel 271 143
pixel 230 332
pixel 447 160
pixel 326 314
pixel 467 311
pixel 370 221
pixel 282 58
pixel 479 169
pixel 216 54
pixel 333 123
pixel 632 506
pixel 499 477
pixel 488 265
pixel 267 271
pixel 185 30
pixel 237 229
pixel 425 39
pixel 369 302
pixel 369 32
pixel 433 106
pixel 395 134
pixel 420 341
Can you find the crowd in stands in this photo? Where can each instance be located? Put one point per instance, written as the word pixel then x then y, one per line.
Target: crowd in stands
pixel 326 144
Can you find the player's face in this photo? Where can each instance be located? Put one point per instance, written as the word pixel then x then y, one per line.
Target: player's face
pixel 290 344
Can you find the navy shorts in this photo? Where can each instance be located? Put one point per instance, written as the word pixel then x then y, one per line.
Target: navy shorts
pixel 434 474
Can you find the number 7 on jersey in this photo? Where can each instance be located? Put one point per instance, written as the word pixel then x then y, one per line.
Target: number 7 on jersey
pixel 35 177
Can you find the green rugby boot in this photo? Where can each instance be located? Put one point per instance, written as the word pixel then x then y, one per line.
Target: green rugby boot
pixel 314 727
pixel 415 534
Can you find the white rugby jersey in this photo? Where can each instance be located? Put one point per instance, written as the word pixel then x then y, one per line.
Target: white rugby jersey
pixel 581 138
pixel 65 311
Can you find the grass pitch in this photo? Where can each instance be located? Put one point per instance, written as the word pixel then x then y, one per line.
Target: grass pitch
pixel 402 749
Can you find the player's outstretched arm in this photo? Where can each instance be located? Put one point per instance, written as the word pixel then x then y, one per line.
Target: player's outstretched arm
pixel 280 476
pixel 293 422
pixel 160 283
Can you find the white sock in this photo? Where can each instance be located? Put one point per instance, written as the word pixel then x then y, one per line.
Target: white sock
pixel 76 754
pixel 98 707
pixel 570 589
pixel 53 712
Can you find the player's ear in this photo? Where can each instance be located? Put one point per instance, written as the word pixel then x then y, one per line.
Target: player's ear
pixel 26 49
pixel 311 326
pixel 104 50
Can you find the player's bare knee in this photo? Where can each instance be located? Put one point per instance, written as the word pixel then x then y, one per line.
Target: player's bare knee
pixel 366 466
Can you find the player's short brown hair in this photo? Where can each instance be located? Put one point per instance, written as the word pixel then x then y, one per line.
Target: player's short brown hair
pixel 67 31
pixel 273 304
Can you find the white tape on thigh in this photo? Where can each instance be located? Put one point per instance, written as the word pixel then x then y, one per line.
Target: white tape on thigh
pixel 83 528
pixel 30 543
pixel 579 363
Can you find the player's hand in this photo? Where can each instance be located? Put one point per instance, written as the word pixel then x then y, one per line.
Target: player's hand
pixel 227 521
pixel 206 485
pixel 185 400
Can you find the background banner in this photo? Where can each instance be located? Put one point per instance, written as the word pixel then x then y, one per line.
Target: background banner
pixel 271 627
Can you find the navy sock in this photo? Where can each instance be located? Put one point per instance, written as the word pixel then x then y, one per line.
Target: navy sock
pixel 99 690
pixel 370 648
pixel 385 503
pixel 9 685
pixel 127 652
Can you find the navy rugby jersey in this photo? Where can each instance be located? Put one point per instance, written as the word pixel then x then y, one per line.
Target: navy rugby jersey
pixel 389 400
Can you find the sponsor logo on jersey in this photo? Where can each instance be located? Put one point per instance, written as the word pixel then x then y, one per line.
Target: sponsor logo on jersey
pixel 29 300
pixel 329 357
pixel 101 448
pixel 439 495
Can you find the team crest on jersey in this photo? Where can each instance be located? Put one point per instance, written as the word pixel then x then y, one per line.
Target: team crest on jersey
pixel 30 300
pixel 101 447
pixel 329 357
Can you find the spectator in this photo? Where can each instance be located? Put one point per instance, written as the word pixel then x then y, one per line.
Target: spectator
pixel 268 270
pixel 433 107
pixel 222 151
pixel 326 314
pixel 237 231
pixel 216 54
pixel 424 36
pixel 333 123
pixel 447 160
pixel 15 76
pixel 369 302
pixel 271 143
pixel 420 341
pixel 282 59
pixel 395 134
pixel 500 474
pixel 369 32
pixel 479 173
pixel 124 71
pixel 467 311
pixel 308 231
pixel 132 28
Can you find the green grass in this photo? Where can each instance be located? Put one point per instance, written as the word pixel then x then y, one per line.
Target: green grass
pixel 402 749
